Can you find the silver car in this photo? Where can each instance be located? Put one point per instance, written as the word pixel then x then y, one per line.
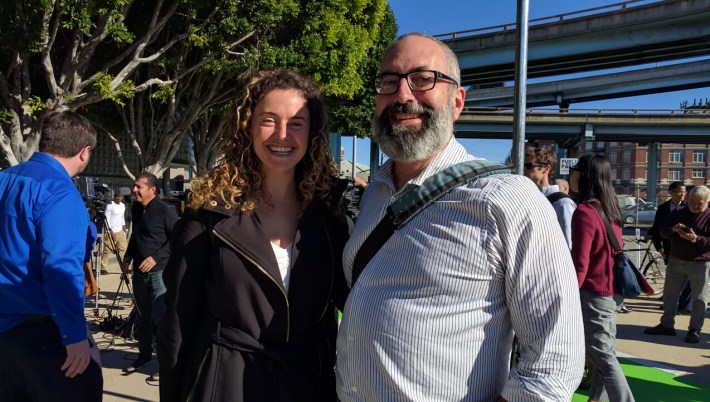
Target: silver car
pixel 646 214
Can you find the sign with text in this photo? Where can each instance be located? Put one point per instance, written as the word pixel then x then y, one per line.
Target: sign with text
pixel 566 164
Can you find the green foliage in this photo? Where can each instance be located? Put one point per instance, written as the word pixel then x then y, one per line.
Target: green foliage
pixel 123 91
pixel 21 26
pixel 163 93
pixel 34 104
pixel 352 115
pixel 335 42
pixel 5 116
pixel 77 15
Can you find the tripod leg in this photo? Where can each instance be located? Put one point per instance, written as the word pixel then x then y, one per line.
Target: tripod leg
pixel 97 270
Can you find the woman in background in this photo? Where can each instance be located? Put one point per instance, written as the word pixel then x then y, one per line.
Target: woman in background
pixel 255 267
pixel 593 256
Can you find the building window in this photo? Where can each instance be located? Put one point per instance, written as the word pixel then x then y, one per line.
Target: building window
pixel 646 159
pixel 698 173
pixel 673 174
pixel 625 173
pixel 612 157
pixel 613 143
pixel 588 146
pixel 674 156
pixel 613 174
pixel 626 156
pixel 698 157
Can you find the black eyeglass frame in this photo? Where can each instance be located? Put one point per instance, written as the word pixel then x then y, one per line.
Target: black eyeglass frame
pixel 530 165
pixel 438 75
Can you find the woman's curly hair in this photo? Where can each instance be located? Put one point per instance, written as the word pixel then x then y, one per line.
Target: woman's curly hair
pixel 237 179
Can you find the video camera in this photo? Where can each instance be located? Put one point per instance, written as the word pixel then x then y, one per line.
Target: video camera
pixel 95 195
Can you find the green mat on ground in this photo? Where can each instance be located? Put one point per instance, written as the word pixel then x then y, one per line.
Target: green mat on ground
pixel 653 385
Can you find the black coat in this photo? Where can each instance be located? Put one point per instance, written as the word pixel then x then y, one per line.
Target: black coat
pixel 662 213
pixel 230 332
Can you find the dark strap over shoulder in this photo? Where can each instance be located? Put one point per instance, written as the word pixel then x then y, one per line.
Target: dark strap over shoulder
pixel 554 197
pixel 416 200
pixel 609 232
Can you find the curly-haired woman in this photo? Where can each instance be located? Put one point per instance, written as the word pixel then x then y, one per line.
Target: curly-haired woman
pixel 255 267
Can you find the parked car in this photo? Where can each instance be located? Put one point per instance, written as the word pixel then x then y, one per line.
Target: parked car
pixel 645 206
pixel 646 214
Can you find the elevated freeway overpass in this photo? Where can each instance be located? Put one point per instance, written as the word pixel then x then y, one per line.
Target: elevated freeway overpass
pixel 618 85
pixel 568 129
pixel 629 34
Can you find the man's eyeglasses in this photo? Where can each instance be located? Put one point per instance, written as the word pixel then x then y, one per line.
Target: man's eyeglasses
pixel 529 166
pixel 418 81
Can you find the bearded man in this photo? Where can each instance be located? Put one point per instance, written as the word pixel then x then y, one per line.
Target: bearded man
pixel 432 315
pixel 689 260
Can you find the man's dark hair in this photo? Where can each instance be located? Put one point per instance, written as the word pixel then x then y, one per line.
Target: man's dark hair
pixel 150 179
pixel 65 134
pixel 675 186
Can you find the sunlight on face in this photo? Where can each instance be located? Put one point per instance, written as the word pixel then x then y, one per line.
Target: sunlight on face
pixel 280 127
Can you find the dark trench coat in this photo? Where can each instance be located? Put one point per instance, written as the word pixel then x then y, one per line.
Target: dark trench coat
pixel 230 331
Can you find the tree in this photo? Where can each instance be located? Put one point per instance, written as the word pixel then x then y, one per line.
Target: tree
pixel 166 65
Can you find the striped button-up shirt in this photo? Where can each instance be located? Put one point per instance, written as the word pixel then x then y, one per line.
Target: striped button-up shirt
pixel 432 316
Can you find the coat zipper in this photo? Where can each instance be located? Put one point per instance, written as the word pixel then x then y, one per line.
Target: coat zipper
pixel 199 374
pixel 332 265
pixel 260 268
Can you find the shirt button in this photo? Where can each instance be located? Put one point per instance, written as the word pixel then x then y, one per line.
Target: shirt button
pixel 392 198
pixel 351 338
pixel 354 389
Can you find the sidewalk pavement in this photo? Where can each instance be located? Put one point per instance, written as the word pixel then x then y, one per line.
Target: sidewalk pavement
pixel 692 362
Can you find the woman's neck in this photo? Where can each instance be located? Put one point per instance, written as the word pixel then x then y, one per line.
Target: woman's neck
pixel 280 191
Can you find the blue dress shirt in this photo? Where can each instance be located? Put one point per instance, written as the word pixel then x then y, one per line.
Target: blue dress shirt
pixel 43 225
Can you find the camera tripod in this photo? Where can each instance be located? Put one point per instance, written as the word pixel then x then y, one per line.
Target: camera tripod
pixel 110 320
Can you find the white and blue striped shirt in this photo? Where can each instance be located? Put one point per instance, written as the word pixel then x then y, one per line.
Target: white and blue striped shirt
pixel 432 315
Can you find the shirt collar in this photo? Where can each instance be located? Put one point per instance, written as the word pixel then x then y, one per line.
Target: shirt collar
pixel 452 153
pixel 49 160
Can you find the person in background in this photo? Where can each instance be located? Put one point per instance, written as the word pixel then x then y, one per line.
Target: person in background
pixel 539 165
pixel 593 256
pixel 677 201
pixel 432 315
pixel 115 217
pixel 148 249
pixel 46 349
pixel 255 271
pixel 562 185
pixel 689 260
pixel 677 190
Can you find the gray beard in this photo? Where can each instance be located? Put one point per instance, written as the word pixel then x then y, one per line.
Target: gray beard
pixel 413 144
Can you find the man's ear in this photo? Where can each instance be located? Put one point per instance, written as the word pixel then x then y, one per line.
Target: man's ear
pixel 459 99
pixel 85 153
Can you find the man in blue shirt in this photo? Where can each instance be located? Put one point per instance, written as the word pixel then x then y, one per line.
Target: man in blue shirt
pixel 45 347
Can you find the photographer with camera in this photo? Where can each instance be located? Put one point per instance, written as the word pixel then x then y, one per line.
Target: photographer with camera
pixel 116 221
pixel 46 349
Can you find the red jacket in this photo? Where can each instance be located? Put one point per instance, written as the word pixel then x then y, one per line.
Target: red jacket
pixel 592 252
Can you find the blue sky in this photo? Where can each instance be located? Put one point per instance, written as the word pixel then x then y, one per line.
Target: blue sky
pixel 443 16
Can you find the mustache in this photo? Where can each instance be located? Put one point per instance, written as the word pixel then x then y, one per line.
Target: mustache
pixel 406 108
